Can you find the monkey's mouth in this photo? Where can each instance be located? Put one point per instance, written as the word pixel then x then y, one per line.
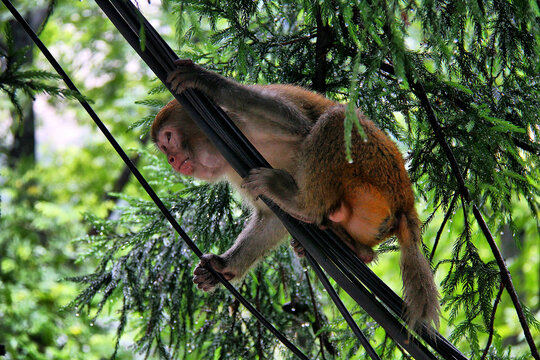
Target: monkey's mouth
pixel 186 167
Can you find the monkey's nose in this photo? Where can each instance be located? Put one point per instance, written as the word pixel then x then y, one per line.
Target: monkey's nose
pixel 171 159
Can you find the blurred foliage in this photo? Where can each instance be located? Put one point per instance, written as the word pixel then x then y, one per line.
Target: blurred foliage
pixel 41 204
pixel 36 251
pixel 478 64
pixel 15 78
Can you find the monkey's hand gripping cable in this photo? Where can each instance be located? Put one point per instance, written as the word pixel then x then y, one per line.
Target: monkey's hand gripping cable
pixel 322 247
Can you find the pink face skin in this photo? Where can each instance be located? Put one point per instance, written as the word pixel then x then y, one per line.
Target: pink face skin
pixel 199 160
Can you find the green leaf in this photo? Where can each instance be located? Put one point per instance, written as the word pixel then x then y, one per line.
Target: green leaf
pixel 459 87
pixel 503 125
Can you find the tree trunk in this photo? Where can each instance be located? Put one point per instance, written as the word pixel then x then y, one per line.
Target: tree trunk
pixel 24 139
pixel 322 46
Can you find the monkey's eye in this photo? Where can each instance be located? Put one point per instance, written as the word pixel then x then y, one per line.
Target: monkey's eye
pixel 168 135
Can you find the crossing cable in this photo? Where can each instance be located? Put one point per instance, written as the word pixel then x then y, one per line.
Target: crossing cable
pixel 156 51
pixel 143 181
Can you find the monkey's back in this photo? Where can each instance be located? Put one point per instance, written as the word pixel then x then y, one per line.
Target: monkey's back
pixel 312 104
pixel 329 177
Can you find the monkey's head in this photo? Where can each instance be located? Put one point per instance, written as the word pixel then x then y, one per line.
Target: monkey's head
pixel 187 148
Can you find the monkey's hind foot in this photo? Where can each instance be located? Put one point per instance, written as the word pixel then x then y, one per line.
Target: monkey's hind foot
pixel 272 183
pixel 204 278
pixel 280 187
pixel 365 253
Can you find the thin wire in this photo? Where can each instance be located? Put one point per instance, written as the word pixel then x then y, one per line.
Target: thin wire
pixel 342 309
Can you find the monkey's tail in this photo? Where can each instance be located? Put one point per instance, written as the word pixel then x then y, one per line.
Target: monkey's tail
pixel 419 289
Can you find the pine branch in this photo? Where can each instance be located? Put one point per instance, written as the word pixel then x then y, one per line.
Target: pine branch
pixel 532 148
pixel 420 92
pixel 492 321
pixel 507 281
pixel 443 224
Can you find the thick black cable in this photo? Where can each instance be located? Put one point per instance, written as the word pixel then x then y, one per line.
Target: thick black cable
pixel 313 240
pixel 231 136
pixel 143 181
pixel 238 151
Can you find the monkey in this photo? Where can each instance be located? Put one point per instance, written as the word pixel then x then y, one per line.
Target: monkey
pixel 301 134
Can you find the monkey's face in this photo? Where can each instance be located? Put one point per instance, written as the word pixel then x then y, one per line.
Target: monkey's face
pixel 190 154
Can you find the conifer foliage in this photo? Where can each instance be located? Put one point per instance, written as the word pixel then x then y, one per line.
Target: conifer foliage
pixel 14 78
pixel 456 83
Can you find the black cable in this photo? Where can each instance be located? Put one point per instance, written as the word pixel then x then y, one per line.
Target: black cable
pixel 143 181
pixel 342 309
pixel 204 107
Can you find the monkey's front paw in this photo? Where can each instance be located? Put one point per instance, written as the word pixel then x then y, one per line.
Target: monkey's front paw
pixel 204 278
pixel 184 76
pixel 257 182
